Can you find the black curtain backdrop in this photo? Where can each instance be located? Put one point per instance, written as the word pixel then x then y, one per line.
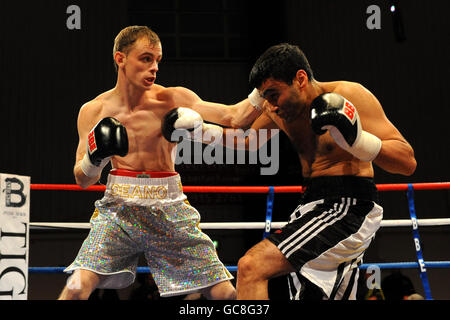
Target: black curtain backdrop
pixel 48 72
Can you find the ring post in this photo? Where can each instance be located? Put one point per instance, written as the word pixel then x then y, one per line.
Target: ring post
pixel 270 198
pixel 14 236
pixel 415 229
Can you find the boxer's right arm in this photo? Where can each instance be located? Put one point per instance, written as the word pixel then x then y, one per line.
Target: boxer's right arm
pixel 85 122
pixel 98 143
pixel 106 139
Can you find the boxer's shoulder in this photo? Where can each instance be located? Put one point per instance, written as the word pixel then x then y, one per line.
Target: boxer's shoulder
pixel 344 88
pixel 355 92
pixel 90 108
pixel 161 93
pixel 181 96
pixel 91 112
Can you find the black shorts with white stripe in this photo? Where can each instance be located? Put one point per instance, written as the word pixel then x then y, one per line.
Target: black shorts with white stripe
pixel 328 234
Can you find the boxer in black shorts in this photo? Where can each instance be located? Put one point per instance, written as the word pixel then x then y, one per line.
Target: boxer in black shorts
pixel 327 235
pixel 339 130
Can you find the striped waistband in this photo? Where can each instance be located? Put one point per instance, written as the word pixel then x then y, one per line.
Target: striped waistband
pixel 142 174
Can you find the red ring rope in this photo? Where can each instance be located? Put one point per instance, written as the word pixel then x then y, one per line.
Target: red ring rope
pixel 248 189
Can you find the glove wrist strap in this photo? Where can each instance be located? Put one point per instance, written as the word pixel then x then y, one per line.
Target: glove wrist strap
pixel 91 170
pixel 255 99
pixel 367 147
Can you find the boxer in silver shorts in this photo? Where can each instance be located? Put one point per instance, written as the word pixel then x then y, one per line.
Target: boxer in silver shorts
pixel 123 126
pixel 144 214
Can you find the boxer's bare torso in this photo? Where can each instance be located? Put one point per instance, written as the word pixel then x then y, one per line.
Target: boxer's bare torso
pixel 148 150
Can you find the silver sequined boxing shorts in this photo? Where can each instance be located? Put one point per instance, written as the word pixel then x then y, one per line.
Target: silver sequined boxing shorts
pixel 149 216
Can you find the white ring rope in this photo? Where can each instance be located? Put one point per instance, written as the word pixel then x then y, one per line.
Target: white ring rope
pixel 247 225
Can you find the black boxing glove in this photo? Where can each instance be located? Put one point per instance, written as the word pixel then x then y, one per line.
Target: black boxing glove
pixel 332 112
pixel 108 138
pixel 185 122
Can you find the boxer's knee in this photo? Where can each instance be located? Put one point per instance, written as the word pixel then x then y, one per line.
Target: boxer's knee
pixel 249 267
pixel 69 293
pixel 263 262
pixel 80 285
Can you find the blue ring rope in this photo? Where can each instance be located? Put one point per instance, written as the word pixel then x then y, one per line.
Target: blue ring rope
pixel 416 237
pixel 383 265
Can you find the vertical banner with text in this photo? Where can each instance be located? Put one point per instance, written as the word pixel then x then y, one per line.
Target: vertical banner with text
pixel 14 236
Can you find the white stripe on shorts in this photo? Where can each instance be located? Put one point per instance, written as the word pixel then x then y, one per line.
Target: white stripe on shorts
pixel 316 225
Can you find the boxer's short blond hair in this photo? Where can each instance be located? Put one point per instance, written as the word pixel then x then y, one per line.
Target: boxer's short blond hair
pixel 127 37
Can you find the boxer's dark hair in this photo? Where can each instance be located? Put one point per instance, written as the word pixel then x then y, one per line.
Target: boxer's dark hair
pixel 280 62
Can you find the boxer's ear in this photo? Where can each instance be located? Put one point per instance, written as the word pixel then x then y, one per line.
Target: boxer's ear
pixel 301 78
pixel 119 58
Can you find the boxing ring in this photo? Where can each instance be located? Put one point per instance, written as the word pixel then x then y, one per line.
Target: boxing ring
pixel 268 224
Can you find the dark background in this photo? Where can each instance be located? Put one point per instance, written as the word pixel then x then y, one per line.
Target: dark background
pixel 48 71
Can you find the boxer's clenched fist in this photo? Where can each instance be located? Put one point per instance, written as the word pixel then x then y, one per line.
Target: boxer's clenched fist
pixel 332 112
pixel 107 138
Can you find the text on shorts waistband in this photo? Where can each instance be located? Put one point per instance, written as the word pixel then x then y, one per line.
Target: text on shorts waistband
pixel 128 184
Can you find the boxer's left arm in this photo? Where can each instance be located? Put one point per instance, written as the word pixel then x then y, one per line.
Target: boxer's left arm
pixel 253 139
pixel 396 154
pixel 239 115
pixel 183 122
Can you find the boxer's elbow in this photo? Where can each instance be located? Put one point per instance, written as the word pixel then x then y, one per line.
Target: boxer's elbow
pixel 397 158
pixel 410 166
pixel 409 162
pixel 407 166
pixel 83 184
pixel 81 179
